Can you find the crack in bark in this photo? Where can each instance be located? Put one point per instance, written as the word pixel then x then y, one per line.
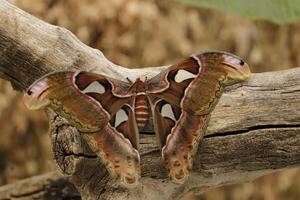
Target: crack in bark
pixel 79 155
pixel 252 128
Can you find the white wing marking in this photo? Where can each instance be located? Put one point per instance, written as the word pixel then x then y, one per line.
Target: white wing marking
pixel 96 87
pixel 183 75
pixel 121 116
pixel 166 111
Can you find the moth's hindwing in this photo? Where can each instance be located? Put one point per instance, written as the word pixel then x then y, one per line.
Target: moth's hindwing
pixel 117 145
pixel 182 98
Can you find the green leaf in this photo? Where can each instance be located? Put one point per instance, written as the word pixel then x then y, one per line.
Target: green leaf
pixel 279 11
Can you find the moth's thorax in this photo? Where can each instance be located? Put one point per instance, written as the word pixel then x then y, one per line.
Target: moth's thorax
pixel 138 87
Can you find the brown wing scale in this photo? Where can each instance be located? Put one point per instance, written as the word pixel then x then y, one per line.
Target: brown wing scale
pixel 192 88
pixel 93 103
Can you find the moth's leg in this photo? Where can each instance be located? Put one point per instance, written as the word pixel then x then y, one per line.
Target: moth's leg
pixel 118 155
pixel 182 144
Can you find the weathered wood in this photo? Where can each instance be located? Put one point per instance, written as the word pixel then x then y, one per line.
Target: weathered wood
pixel 44 187
pixel 253 131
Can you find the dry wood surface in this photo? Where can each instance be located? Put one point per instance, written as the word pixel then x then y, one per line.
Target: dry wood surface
pixel 253 131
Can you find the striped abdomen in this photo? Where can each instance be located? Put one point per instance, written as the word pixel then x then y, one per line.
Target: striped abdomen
pixel 141 111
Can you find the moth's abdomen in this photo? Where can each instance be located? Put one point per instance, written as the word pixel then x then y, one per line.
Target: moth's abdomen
pixel 141 111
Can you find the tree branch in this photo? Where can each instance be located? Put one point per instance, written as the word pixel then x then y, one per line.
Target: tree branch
pixel 253 131
pixel 48 186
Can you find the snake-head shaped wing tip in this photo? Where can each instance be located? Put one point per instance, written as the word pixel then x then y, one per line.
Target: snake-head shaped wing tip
pixel 236 68
pixel 34 97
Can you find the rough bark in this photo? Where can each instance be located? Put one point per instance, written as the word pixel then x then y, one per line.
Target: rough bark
pixel 49 186
pixel 253 131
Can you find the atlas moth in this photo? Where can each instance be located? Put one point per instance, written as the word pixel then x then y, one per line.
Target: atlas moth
pixel 111 112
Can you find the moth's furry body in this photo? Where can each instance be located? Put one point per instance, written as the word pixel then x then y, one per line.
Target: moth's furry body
pixel 142 110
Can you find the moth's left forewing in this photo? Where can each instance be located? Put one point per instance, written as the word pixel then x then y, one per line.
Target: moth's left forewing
pixel 217 70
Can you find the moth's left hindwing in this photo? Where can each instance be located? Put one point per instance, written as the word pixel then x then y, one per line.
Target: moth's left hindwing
pixel 182 98
pixel 99 107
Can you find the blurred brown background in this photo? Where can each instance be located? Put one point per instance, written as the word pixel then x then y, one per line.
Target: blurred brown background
pixel 138 33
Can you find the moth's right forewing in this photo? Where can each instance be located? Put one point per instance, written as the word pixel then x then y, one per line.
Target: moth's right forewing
pixel 60 92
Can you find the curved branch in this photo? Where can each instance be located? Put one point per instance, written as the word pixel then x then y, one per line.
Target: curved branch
pixel 253 130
